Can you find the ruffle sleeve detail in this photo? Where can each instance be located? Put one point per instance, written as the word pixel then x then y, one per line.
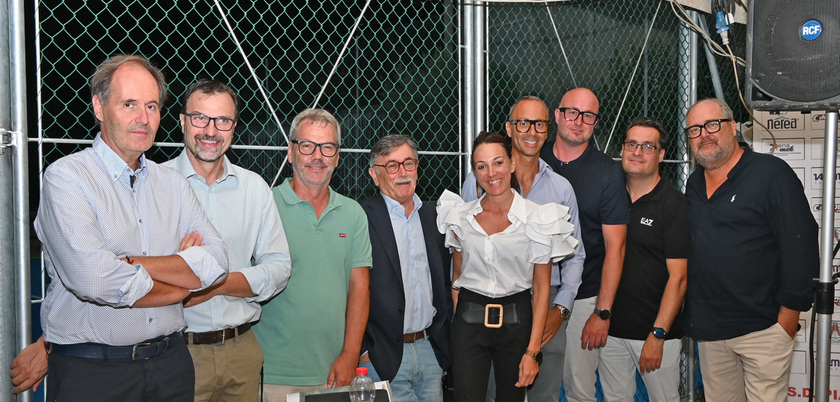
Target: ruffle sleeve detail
pixel 450 209
pixel 550 234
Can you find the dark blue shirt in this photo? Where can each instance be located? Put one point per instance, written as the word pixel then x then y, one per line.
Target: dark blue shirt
pixel 754 248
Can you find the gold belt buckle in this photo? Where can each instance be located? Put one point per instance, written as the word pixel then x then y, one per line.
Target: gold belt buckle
pixel 487 315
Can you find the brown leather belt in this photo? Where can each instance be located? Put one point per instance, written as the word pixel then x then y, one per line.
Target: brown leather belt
pixel 411 338
pixel 206 338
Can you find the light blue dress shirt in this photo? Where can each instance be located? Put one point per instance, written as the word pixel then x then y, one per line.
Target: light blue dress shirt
pixel 241 207
pixel 414 263
pixel 90 216
pixel 548 187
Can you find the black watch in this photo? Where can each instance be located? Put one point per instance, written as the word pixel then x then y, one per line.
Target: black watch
pixel 659 333
pixel 603 314
pixel 538 356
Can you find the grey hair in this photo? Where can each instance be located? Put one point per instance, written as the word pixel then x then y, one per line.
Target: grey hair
pixel 724 108
pixel 314 115
pixel 100 81
pixel 524 98
pixel 385 145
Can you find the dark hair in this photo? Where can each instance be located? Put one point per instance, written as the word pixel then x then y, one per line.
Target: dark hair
pixel 209 87
pixel 649 122
pixel 388 143
pixel 487 137
pixel 100 81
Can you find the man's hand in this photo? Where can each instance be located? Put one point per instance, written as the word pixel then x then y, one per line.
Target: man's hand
pixel 553 321
pixel 528 369
pixel 191 239
pixel 343 370
pixel 29 367
pixel 594 333
pixel 789 320
pixel 651 357
pixel 204 295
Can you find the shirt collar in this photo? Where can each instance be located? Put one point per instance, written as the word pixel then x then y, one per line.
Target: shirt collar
pixel 291 198
pixel 183 165
pixel 517 212
pixel 115 166
pixel 395 207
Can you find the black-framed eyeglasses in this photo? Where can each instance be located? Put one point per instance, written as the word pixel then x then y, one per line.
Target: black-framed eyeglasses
pixel 201 120
pixel 307 147
pixel 646 148
pixel 523 125
pixel 393 166
pixel 572 114
pixel 711 126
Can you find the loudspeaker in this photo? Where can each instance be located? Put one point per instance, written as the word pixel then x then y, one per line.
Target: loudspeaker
pixel 793 55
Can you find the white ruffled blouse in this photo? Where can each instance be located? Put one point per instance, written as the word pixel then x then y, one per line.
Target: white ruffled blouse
pixel 502 264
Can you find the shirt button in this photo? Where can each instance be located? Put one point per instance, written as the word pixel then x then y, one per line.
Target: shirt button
pixel 144 253
pixel 150 320
pixel 140 220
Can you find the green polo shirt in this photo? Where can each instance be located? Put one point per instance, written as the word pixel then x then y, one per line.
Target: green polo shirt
pixel 302 329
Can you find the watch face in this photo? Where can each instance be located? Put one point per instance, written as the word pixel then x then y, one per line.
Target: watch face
pixel 604 314
pixel 539 357
pixel 659 333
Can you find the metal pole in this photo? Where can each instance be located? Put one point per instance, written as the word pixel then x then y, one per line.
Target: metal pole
pixel 468 118
pixel 480 58
pixel 824 306
pixel 710 58
pixel 7 213
pixel 18 101
pixel 688 76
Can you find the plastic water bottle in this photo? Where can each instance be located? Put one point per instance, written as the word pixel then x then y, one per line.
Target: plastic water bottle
pixel 361 388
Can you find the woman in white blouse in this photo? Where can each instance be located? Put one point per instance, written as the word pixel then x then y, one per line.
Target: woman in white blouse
pixel 503 248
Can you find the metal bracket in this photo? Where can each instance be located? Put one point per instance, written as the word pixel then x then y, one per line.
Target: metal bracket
pixel 6 138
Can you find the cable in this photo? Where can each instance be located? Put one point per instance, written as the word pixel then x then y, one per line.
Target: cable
pixel 256 80
pixel 341 54
pixel 562 50
pixel 633 76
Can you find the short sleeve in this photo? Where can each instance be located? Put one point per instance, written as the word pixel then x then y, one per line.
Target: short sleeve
pixel 550 234
pixel 449 215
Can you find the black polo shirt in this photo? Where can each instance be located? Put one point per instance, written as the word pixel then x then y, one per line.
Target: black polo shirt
pixel 753 248
pixel 658 230
pixel 601 195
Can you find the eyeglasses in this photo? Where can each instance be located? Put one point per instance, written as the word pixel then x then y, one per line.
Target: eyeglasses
pixel 646 148
pixel 711 126
pixel 201 120
pixel 306 147
pixel 393 166
pixel 571 114
pixel 523 125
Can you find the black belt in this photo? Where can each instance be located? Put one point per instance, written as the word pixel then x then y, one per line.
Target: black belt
pixel 491 315
pixel 207 338
pixel 141 351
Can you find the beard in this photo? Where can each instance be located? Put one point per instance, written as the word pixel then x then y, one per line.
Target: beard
pixel 714 158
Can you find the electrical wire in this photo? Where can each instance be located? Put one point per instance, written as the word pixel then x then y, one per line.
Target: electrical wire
pixel 744 102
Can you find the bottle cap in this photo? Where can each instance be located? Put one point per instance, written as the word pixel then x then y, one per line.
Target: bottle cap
pixel 361 371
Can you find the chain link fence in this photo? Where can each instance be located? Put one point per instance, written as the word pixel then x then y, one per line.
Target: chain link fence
pixel 399 74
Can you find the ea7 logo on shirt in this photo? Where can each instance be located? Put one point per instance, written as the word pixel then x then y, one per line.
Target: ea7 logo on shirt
pixel 646 221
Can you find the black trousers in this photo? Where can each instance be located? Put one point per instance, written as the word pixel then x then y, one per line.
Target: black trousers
pixel 168 377
pixel 475 347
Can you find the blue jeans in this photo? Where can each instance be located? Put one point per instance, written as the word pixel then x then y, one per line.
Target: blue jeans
pixel 419 378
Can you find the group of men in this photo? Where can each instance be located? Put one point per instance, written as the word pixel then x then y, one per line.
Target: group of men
pixel 306 284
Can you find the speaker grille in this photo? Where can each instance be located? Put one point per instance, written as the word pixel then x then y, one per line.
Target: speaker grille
pixel 787 66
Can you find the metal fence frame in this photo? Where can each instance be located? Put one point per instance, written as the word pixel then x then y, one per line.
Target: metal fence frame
pixel 473 116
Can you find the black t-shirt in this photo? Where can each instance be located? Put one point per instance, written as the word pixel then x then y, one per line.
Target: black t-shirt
pixel 753 247
pixel 598 182
pixel 658 230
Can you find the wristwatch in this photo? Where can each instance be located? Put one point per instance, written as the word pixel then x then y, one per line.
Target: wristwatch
pixel 538 356
pixel 659 333
pixel 564 312
pixel 603 314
